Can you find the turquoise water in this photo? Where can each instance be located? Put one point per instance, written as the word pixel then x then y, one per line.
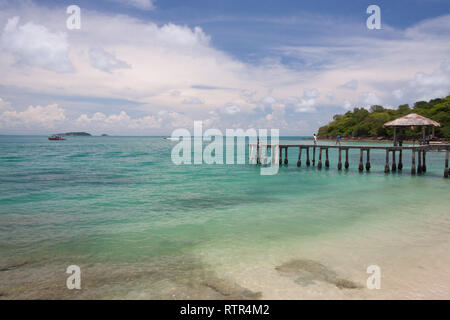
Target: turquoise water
pixel 141 227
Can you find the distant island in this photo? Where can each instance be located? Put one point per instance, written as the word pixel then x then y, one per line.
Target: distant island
pixel 362 123
pixel 74 134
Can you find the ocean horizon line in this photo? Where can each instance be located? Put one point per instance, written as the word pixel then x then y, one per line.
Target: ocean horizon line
pixel 119 136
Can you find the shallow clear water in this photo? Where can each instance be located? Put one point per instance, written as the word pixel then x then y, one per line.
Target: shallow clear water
pixel 141 227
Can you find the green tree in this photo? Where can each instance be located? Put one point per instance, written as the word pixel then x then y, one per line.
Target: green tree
pixel 376 108
pixel 360 122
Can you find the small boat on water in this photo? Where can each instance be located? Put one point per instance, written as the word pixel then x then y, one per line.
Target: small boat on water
pixel 55 138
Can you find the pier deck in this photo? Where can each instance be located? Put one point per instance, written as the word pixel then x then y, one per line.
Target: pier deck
pixel 261 155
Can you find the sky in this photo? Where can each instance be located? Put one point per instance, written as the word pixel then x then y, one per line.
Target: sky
pixel 148 67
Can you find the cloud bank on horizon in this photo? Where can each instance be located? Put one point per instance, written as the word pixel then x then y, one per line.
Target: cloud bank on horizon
pixel 138 68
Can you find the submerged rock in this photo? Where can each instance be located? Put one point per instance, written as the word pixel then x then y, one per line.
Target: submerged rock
pixel 307 272
pixel 12 267
pixel 230 290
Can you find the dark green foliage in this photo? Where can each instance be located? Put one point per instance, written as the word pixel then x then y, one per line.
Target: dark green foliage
pixel 376 108
pixel 363 123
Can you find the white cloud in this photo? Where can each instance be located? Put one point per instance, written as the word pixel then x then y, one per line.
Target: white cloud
pixel 347 105
pixel 171 63
pixel 192 100
pixel 350 85
pixel 3 104
pixel 140 4
pixel 368 99
pixel 269 100
pixel 34 45
pixel 44 117
pixel 231 109
pixel 305 104
pixel 434 27
pixel 172 34
pixel 425 86
pixel 398 94
pixel 311 93
pixel 428 86
pixel 117 121
pixel 175 93
pixel 330 96
pixel 105 61
pixel 379 63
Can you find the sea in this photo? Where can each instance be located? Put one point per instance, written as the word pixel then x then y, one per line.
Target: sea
pixel 139 226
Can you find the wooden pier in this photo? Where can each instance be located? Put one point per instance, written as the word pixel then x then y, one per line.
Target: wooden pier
pixel 417 153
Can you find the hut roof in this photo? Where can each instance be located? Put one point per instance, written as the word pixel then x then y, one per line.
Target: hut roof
pixel 412 119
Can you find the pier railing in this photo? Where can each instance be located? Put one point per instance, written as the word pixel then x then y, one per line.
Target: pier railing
pixel 259 153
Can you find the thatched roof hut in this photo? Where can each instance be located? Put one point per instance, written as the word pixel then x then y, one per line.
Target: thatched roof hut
pixel 412 119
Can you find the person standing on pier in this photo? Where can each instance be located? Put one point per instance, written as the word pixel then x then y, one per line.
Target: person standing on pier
pixel 315 139
pixel 338 140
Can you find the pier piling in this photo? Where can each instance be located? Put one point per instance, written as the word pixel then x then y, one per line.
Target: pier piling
pixel 346 159
pixel 446 165
pixel 394 165
pixel 386 167
pixel 340 161
pixel 314 156
pixel 299 162
pixel 258 154
pixel 361 166
pixel 368 160
pixel 308 163
pixel 319 164
pixel 419 165
pixel 281 155
pixel 424 165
